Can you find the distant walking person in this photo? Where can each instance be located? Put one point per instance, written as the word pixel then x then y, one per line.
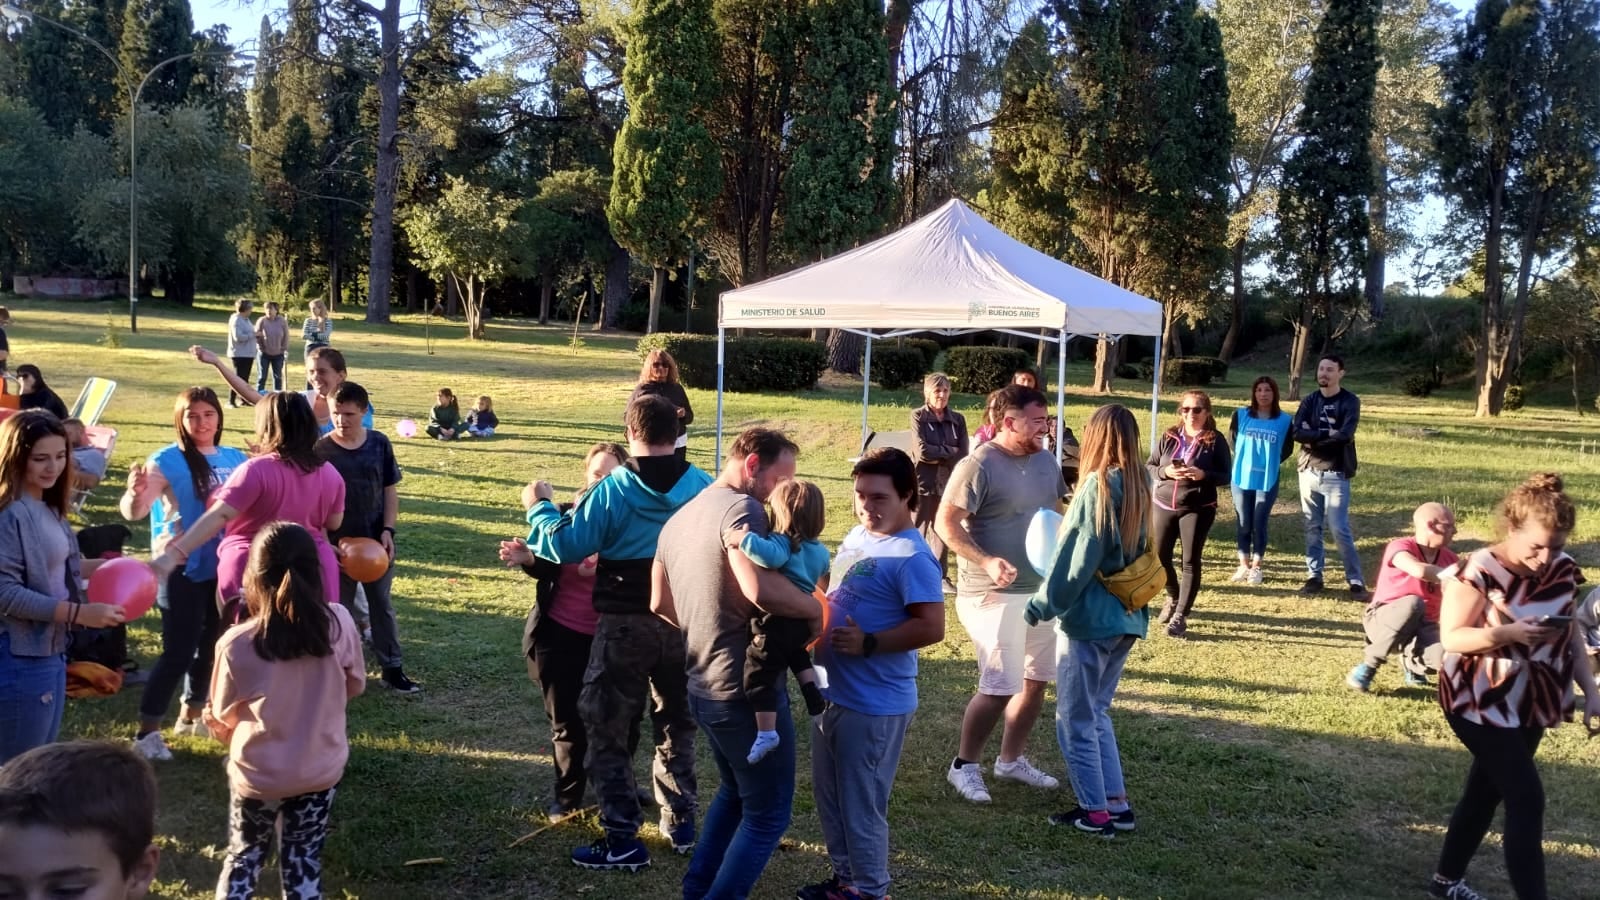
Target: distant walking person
pixel 658 377
pixel 241 344
pixel 938 442
pixel 1511 655
pixel 272 342
pixel 1260 435
pixel 1325 429
pixel 1187 465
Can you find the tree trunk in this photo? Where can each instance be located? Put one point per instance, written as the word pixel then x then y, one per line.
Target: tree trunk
pixel 1230 340
pixel 617 289
pixel 335 280
pixel 547 289
pixel 473 302
pixel 1297 351
pixel 1494 288
pixel 1378 239
pixel 380 268
pixel 1038 352
pixel 844 351
pixel 180 287
pixel 452 297
pixel 1105 366
pixel 658 290
pixel 413 290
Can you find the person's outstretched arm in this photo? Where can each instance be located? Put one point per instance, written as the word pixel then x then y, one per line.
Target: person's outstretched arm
pixel 241 387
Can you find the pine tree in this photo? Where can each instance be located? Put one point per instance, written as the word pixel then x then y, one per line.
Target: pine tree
pixel 153 32
pixel 668 169
pixel 1027 196
pixel 1322 211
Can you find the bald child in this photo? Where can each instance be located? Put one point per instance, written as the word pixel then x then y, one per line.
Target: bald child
pixel 1403 616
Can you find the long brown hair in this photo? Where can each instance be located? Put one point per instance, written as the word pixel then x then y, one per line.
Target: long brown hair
pixel 199 466
pixel 283 592
pixel 649 358
pixel 286 426
pixel 1208 428
pixel 18 436
pixel 1111 441
pixel 1277 409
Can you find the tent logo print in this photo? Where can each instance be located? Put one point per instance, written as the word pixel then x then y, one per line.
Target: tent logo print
pixel 975 310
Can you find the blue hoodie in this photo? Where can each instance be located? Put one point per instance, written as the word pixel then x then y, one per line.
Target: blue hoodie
pixel 1071 592
pixel 619 518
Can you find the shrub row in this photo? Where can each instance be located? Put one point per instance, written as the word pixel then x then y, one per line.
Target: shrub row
pixel 898 367
pixel 979 370
pixel 752 363
pixel 1193 371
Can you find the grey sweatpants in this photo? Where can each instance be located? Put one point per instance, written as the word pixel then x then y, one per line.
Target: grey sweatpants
pixel 853 761
pixel 1398 627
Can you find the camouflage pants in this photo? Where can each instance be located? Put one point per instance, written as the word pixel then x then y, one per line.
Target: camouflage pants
pixel 634 658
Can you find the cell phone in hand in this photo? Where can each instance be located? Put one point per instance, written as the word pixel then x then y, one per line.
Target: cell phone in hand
pixel 1555 621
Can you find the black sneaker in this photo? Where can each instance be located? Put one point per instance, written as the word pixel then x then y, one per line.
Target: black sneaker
pixel 832 889
pixel 680 835
pixel 395 679
pixel 1178 627
pixel 1124 821
pixel 1078 818
pixel 1453 890
pixel 1312 586
pixel 1358 591
pixel 613 853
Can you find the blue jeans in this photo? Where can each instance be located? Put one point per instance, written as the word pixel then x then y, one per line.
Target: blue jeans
pixel 1254 509
pixel 1325 496
pixel 751 810
pixel 275 363
pixel 1087 673
pixel 33 694
pixel 854 757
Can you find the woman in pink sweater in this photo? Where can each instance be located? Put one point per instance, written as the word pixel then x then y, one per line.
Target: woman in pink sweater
pixel 278 697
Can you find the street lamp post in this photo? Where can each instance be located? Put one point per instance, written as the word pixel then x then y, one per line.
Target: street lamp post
pixel 14 13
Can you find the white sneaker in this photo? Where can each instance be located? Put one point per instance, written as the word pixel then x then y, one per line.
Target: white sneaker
pixel 1025 772
pixel 1240 574
pixel 968 782
pixel 152 746
pixel 1255 577
pixel 193 727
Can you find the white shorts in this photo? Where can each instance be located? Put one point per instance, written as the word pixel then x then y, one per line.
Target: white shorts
pixel 1009 650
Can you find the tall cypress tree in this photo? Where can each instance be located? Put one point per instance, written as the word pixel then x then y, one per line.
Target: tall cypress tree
pixel 1322 209
pixel 154 31
pixel 1028 146
pixel 668 170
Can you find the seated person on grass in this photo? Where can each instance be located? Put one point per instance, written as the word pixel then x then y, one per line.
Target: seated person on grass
pixel 88 461
pixel 1404 613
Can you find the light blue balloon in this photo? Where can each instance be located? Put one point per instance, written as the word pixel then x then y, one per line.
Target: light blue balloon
pixel 1041 541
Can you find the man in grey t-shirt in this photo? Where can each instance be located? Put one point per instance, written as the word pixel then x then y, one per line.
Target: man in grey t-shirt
pixel 711 593
pixel 992 497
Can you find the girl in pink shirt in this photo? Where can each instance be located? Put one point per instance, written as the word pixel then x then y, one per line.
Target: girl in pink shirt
pixel 278 697
pixel 285 481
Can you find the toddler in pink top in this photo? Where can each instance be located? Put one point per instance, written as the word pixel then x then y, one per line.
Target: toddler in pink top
pixel 278 697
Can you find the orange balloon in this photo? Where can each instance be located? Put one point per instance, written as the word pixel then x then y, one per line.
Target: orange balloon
pixel 364 559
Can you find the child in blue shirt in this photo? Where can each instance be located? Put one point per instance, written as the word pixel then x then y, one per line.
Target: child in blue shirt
pixel 778 643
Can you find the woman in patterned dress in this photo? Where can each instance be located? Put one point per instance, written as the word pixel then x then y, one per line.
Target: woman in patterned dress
pixel 1511 656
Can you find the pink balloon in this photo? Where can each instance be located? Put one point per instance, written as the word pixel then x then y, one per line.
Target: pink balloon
pixel 405 428
pixel 125 582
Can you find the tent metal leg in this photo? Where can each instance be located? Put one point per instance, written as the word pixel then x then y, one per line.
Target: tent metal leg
pixel 866 387
pixel 1155 394
pixel 722 347
pixel 1061 393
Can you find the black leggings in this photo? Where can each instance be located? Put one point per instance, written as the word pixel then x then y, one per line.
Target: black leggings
pixel 1193 525
pixel 189 630
pixel 1502 771
pixel 241 367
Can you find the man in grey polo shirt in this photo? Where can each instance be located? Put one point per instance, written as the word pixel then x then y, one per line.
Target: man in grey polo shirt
pixel 992 496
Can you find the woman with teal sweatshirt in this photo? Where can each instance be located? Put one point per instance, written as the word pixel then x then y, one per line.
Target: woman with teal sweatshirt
pixel 1107 526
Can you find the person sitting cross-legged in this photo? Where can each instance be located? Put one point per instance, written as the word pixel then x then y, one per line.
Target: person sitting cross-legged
pixel 1404 613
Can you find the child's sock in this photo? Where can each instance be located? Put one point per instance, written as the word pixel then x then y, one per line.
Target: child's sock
pixel 1099 817
pixel 766 742
pixel 814 702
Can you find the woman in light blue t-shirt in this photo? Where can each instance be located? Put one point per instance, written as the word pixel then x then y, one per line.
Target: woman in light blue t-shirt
pixel 1260 435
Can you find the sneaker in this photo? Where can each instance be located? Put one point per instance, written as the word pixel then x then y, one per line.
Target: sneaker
pixel 968 782
pixel 152 746
pixel 192 727
pixel 1453 890
pixel 832 889
pixel 396 680
pixel 1078 818
pixel 1124 821
pixel 613 853
pixel 1240 574
pixel 1358 591
pixel 560 809
pixel 1416 680
pixel 1255 578
pixel 1168 609
pixel 1178 627
pixel 1312 586
pixel 1025 772
pixel 681 836
pixel 1360 678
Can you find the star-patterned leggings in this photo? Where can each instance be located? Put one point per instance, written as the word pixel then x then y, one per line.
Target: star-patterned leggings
pixel 302 826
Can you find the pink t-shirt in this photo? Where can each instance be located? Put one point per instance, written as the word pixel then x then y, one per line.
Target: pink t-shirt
pixel 573 602
pixel 1394 582
pixel 287 717
pixel 265 490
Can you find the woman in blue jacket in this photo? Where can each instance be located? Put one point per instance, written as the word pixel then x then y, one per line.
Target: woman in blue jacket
pixel 1260 435
pixel 1106 527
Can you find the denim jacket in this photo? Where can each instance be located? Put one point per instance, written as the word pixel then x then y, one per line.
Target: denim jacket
pixel 27 607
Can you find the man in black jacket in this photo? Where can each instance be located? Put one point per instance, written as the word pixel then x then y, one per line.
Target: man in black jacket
pixel 1325 429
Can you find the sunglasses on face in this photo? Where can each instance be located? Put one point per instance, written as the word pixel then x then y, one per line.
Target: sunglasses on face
pixel 1192 409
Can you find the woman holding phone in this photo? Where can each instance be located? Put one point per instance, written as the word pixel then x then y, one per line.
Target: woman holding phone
pixel 1511 656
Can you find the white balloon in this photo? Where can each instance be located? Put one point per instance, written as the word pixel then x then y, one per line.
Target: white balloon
pixel 1041 540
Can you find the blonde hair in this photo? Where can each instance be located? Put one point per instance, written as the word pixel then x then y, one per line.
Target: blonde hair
pixel 672 366
pixel 1539 500
pixel 486 403
pixel 1111 441
pixel 797 511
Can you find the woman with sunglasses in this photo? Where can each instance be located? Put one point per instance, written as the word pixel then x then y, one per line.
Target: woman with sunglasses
pixel 1187 464
pixel 658 377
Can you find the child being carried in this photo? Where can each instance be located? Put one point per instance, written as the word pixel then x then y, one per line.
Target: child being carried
pixel 778 643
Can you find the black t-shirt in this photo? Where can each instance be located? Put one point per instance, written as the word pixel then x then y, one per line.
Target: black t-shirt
pixel 366 471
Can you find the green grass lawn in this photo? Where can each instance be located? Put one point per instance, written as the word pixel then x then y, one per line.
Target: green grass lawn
pixel 1255 772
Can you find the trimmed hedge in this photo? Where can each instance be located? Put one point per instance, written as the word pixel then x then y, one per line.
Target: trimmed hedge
pixel 930 351
pixel 896 367
pixel 1192 371
pixel 752 363
pixel 979 370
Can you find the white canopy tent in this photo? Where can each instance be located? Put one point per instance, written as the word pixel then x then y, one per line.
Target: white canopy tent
pixel 950 272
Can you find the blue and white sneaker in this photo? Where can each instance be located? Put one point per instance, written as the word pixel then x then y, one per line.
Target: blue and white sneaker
pixel 680 835
pixel 613 853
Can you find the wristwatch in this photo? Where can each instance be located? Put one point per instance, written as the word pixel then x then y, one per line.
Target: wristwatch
pixel 869 644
